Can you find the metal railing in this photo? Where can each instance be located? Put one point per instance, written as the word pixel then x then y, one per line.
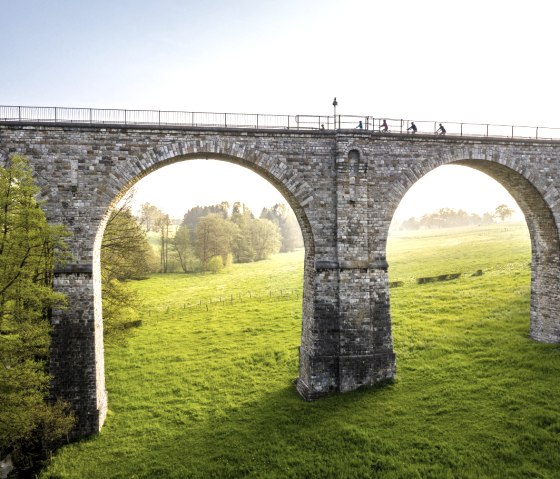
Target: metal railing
pixel 97 116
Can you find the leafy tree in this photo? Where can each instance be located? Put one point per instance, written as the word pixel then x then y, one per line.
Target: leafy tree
pixel 503 212
pixel 182 244
pixel 163 226
pixel 411 224
pixel 29 247
pixel 243 251
pixel 192 216
pixel 283 216
pixel 125 251
pixel 487 219
pixel 215 236
pixel 150 216
pixel 265 238
pixel 125 254
pixel 240 212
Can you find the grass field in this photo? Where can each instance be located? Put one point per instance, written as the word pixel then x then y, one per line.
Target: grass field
pixel 207 391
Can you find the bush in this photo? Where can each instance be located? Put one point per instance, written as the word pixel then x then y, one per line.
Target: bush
pixel 215 264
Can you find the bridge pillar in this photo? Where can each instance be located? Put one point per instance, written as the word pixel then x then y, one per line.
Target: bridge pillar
pixel 348 343
pixel 76 362
pixel 545 276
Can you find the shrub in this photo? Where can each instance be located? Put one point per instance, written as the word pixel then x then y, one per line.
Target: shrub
pixel 215 264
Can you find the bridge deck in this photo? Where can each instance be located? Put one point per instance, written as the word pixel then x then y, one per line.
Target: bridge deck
pixel 113 118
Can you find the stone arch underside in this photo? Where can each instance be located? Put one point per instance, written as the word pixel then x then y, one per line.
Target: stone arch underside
pixel 536 199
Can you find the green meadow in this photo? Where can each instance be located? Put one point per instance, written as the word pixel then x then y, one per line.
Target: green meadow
pixel 204 388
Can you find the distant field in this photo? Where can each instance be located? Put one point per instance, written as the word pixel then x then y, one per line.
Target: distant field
pixel 207 391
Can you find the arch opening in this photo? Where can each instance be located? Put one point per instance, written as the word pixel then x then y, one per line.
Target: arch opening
pixel 542 234
pixel 286 190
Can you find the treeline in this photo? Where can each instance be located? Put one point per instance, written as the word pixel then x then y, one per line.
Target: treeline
pixel 449 218
pixel 209 238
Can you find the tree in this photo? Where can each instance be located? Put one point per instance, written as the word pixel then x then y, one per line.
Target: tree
pixel 215 236
pixel 411 224
pixel 125 251
pixel 125 254
pixel 487 219
pixel 150 216
pixel 29 248
pixel 265 238
pixel 192 216
pixel 243 251
pixel 503 212
pixel 283 216
pixel 290 233
pixel 163 226
pixel 182 244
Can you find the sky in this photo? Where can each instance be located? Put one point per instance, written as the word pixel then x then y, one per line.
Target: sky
pixel 489 61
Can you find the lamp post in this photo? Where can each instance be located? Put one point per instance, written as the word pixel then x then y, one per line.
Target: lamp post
pixel 334 103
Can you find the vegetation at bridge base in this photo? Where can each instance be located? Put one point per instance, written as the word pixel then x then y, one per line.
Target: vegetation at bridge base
pixel 205 390
pixel 125 255
pixel 29 423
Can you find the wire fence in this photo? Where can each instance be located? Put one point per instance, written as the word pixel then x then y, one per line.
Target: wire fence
pixel 226 299
pixel 365 123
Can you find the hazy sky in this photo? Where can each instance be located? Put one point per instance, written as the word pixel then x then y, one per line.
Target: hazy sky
pixel 477 61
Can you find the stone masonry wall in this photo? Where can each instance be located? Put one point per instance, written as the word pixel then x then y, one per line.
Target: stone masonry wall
pixel 344 187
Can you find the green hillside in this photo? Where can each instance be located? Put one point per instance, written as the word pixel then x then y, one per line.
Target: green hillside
pixel 204 388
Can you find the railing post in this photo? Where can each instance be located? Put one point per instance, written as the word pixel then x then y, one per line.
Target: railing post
pixel 225 120
pixel 125 117
pixel 512 131
pixel 55 108
pixel 19 113
pixel 461 129
pixel 90 116
pixel 537 133
pixel 159 117
pixel 257 120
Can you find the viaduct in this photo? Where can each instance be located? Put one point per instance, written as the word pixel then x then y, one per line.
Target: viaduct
pixel 343 185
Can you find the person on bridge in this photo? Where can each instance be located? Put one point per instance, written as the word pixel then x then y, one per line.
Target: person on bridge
pixel 383 126
pixel 360 125
pixel 412 128
pixel 441 130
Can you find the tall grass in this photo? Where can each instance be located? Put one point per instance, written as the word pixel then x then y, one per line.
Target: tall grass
pixel 202 393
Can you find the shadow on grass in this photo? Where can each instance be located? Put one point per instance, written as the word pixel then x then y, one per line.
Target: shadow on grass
pixel 281 435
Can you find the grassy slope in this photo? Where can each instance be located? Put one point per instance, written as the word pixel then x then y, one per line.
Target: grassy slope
pixel 197 393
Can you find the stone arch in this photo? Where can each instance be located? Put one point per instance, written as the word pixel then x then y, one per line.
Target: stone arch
pixel 276 170
pixel 536 199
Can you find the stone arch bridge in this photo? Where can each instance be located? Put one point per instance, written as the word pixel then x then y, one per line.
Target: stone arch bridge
pixel 344 186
